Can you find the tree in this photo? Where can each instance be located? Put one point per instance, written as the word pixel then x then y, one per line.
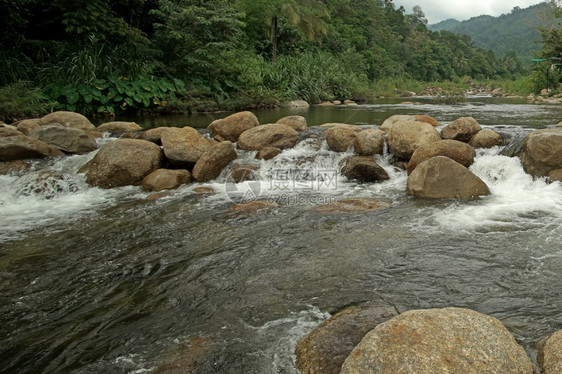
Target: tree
pixel 306 15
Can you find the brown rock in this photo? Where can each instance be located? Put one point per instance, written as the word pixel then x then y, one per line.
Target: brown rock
pixel 67 139
pixel 27 125
pixel 352 206
pixel 461 129
pixel 119 127
pixel 254 206
pixel 22 147
pixel 204 190
pixel 542 151
pixel 555 175
pixel 6 131
pixel 270 135
pixel 186 358
pixel 486 139
pixel 67 119
pixel 340 138
pixel 449 340
pixel 427 119
pixel 296 122
pixel 364 169
pixel 442 178
pixel 153 135
pixel 231 127
pixel 210 164
pixel 267 153
pixel 324 350
pixel 123 162
pixel 390 121
pixel 165 179
pixel 549 354
pixel 458 151
pixel 183 146
pixel 406 136
pixel 13 167
pixel 369 142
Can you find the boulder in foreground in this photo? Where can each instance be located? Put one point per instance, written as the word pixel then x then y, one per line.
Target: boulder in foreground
pixel 324 350
pixel 449 340
pixel 549 354
pixel 442 178
pixel 460 152
pixel 542 152
pixel 271 135
pixel 406 136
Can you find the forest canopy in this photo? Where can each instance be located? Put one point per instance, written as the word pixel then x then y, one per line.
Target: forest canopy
pixel 121 55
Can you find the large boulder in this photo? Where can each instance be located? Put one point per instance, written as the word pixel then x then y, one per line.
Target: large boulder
pixel 390 121
pixel 442 178
pixel 460 152
pixel 270 135
pixel 21 147
pixel 67 119
pixel 123 162
pixel 183 146
pixel 461 129
pixel 67 139
pixel 364 169
pixel 427 119
pixel 369 142
pixel 165 179
pixel 27 125
pixel 542 151
pixel 486 138
pixel 153 135
pixel 324 350
pixel 406 136
pixel 231 127
pixel 449 340
pixel 340 138
pixel 549 354
pixel 211 163
pixel 118 127
pixel 296 122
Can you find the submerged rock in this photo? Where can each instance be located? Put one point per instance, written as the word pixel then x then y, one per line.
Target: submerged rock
pixel 542 151
pixel 352 206
pixel 241 173
pixel 231 127
pixel 165 179
pixel 270 135
pixel 267 153
pixel 254 206
pixel 324 350
pixel 22 147
pixel 123 162
pixel 406 136
pixel 364 169
pixel 555 175
pixel 461 129
pixel 449 340
pixel 13 167
pixel 549 354
pixel 442 178
pixel 458 151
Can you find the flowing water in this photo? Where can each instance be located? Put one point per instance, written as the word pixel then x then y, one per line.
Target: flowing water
pixel 103 281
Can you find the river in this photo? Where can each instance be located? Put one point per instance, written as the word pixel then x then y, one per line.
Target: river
pixel 103 281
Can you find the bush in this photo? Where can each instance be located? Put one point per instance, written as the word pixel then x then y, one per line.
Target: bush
pixel 20 100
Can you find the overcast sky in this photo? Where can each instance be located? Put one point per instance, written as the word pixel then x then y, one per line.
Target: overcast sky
pixel 438 10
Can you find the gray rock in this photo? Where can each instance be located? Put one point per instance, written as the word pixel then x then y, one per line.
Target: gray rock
pixel 67 139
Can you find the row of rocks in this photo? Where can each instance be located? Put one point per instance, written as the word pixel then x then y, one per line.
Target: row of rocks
pixel 436 161
pixel 376 339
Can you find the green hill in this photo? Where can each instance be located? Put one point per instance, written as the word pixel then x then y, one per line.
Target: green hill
pixel 513 31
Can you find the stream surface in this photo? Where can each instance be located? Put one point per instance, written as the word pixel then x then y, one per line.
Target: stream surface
pixel 102 281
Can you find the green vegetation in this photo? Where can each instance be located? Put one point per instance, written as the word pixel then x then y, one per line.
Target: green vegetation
pixel 101 56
